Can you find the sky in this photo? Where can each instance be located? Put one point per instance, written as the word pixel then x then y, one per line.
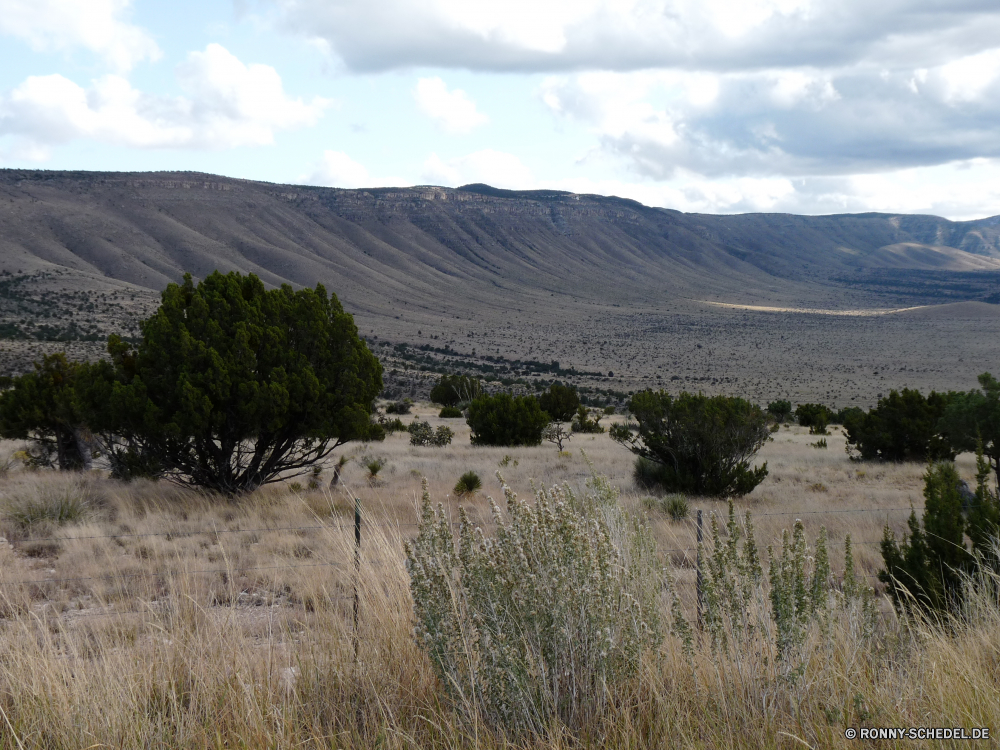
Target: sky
pixel 718 106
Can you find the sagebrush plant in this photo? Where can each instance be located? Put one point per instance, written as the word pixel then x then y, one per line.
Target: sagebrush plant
pixel 544 622
pixel 799 590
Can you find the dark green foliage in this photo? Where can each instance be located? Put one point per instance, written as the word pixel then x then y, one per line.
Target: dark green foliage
pixel 926 567
pixel 814 416
pixel 704 443
pixel 506 420
pixel 780 410
pixel 42 406
pixel 582 421
pixel 974 416
pixel 468 483
pixel 399 407
pixel 233 386
pixel 389 426
pixel 450 412
pixel 560 402
pixel 902 427
pixel 848 415
pixel 456 389
pixel 650 475
pixel 983 525
pixel 421 433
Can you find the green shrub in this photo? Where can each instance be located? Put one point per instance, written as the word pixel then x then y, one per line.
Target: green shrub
pixel 973 418
pixel 450 412
pixel 468 483
pixel 399 407
pixel 455 389
pixel 904 426
pixel 704 444
pixel 582 422
pixel 780 410
pixel 926 567
pixel 42 406
pixel 560 402
pixel 547 621
pixel 847 415
pixel 814 416
pixel 506 420
pixel 821 443
pixel 421 433
pixel 651 475
pixel 374 466
pixel 389 426
pixel 673 505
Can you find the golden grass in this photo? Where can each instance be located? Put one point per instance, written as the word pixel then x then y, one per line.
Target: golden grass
pixel 170 619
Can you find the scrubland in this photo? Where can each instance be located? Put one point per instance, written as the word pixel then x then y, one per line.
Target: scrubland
pixel 150 616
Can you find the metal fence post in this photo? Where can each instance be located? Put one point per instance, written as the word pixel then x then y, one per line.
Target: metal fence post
pixel 700 602
pixel 357 568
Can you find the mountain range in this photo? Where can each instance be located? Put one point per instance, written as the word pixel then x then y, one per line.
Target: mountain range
pixel 518 273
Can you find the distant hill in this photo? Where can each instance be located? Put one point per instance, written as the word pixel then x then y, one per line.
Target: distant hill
pixel 474 263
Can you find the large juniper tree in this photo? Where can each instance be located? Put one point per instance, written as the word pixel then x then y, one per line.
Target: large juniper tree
pixel 233 386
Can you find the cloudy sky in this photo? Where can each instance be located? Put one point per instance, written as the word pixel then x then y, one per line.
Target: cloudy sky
pixel 805 106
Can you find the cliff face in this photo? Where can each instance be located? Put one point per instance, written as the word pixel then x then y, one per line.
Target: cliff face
pixel 148 229
pixel 721 303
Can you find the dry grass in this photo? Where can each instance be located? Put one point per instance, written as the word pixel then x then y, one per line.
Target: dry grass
pixel 168 619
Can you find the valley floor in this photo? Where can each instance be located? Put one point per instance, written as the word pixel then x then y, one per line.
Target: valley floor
pixel 156 617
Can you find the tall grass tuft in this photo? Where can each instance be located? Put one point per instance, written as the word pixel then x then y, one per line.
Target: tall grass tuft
pixel 31 505
pixel 543 624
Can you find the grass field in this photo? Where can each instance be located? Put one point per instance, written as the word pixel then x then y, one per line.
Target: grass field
pixel 154 617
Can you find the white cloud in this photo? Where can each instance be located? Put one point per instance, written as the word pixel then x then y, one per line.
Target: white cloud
pixel 452 110
pixel 785 122
pixel 495 168
pixel 95 25
pixel 337 169
pixel 565 35
pixel 228 104
pixel 969 78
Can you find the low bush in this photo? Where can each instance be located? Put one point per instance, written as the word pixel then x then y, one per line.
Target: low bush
pixel 421 433
pixel 904 426
pixel 582 422
pixel 650 475
pixel 545 622
pixel 450 412
pixel 703 444
pixel 506 420
pixel 468 483
pixel 814 416
pixel 560 402
pixel 780 410
pixel 930 568
pixel 399 407
pixel 451 390
pixel 674 505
